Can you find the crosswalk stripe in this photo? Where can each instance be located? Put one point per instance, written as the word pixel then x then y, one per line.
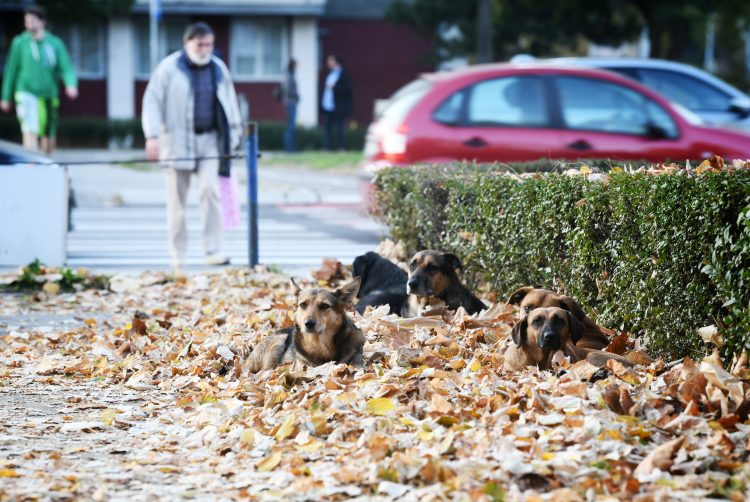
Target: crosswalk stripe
pixel 295 237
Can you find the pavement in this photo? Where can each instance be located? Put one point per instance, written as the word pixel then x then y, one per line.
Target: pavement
pixel 119 224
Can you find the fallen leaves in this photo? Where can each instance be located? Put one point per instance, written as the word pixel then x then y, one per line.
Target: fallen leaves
pixel 286 429
pixel 661 457
pixel 269 463
pixel 331 272
pixel 380 406
pixel 162 396
pixel 710 334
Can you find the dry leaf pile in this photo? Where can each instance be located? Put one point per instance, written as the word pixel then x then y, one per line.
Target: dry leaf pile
pixel 144 395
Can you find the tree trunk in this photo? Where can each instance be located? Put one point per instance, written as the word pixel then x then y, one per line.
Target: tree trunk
pixel 484 31
pixel 654 36
pixel 709 54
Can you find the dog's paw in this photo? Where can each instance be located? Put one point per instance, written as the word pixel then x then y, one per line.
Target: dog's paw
pixel 600 374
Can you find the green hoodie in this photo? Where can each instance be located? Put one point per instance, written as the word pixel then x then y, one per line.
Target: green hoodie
pixel 37 66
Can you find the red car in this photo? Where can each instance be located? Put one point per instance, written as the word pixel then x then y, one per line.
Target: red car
pixel 505 112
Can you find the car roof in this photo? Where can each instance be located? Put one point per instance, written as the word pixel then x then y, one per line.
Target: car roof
pixel 656 64
pixel 532 68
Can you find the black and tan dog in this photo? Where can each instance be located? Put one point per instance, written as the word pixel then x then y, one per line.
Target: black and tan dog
pixel 546 330
pixel 432 274
pixel 382 283
pixel 322 332
pixel 529 298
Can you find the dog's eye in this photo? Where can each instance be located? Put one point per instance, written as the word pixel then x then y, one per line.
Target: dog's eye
pixel 527 308
pixel 412 266
pixel 537 322
pixel 430 267
pixel 324 306
pixel 303 305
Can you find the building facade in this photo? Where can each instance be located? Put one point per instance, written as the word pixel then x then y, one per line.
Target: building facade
pixel 256 38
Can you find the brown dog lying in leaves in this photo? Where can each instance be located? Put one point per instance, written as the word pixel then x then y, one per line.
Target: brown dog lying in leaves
pixel 529 298
pixel 322 332
pixel 432 275
pixel 543 332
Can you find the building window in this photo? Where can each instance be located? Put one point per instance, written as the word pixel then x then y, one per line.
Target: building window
pixel 171 30
pixel 85 44
pixel 258 49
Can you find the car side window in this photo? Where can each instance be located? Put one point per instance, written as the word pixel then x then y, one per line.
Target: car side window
pixel 509 101
pixel 688 91
pixel 449 112
pixel 595 105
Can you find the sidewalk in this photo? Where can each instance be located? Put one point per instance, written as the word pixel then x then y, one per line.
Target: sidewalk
pixel 143 184
pixel 304 216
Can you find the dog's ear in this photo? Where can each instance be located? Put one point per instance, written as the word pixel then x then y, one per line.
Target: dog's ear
pixel 519 332
pixel 348 292
pixel 452 261
pixel 360 267
pixel 572 306
pixel 295 288
pixel 518 295
pixel 576 328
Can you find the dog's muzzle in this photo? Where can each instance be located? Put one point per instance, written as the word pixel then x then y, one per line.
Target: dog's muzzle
pixel 310 325
pixel 549 340
pixel 415 287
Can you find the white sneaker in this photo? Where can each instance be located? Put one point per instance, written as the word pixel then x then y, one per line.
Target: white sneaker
pixel 177 266
pixel 215 259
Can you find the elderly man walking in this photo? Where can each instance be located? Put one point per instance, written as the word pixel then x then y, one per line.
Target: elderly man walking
pixel 191 120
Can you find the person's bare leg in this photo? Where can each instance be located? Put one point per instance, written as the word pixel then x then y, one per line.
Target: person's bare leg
pixel 48 144
pixel 30 141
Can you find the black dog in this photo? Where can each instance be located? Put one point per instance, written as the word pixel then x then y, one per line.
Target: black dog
pixel 383 283
pixel 432 274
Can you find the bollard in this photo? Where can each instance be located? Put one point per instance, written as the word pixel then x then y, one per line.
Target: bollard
pixel 252 192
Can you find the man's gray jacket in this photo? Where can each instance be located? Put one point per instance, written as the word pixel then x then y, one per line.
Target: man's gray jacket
pixel 168 111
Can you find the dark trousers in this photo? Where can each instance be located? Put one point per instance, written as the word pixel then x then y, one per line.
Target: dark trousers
pixel 333 122
pixel 290 144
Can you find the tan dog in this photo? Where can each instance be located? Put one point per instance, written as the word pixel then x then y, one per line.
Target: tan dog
pixel 528 298
pixel 322 332
pixel 432 275
pixel 543 332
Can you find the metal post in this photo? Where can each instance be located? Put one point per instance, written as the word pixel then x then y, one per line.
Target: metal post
pixel 154 10
pixel 252 192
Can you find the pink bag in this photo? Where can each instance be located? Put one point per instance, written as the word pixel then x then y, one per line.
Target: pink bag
pixel 230 201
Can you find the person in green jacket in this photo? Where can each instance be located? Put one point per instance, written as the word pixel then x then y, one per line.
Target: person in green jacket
pixel 36 63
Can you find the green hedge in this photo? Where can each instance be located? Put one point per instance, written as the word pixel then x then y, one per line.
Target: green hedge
pixel 84 132
pixel 92 132
pixel 655 255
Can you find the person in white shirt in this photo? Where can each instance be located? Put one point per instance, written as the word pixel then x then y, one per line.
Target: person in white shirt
pixel 337 102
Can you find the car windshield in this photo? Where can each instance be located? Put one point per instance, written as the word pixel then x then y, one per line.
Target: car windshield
pixel 685 90
pixel 690 117
pixel 402 101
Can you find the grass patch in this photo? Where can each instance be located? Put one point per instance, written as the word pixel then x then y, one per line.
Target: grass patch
pixel 140 167
pixel 36 276
pixel 317 161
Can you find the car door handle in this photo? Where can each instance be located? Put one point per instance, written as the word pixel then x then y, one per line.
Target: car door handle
pixel 475 142
pixel 581 144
